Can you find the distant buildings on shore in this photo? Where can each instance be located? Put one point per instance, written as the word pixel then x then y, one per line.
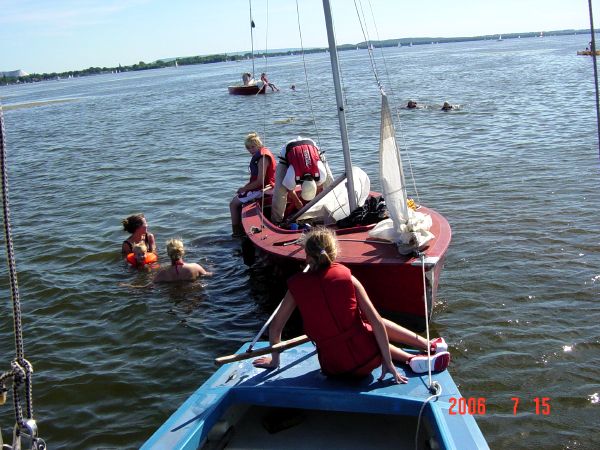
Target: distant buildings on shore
pixel 14 74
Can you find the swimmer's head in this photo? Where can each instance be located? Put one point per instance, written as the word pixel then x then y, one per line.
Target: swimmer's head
pixel 175 249
pixel 139 251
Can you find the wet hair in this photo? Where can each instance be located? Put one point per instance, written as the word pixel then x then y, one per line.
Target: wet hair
pixel 140 246
pixel 321 246
pixel 253 140
pixel 175 249
pixel 133 222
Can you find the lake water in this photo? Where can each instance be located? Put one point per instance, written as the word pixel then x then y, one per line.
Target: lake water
pixel 514 170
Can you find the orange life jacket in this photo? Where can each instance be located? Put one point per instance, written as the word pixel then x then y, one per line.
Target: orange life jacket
pixel 346 345
pixel 149 259
pixel 270 171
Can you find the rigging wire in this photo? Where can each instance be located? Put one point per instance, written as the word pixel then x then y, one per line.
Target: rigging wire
pixel 397 110
pixel 252 35
pixel 593 32
pixel 264 88
pixel 366 36
pixel 312 110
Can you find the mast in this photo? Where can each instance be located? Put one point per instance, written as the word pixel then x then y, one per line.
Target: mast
pixel 335 69
pixel 252 36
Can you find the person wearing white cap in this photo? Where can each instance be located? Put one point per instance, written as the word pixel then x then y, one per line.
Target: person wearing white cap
pixel 299 164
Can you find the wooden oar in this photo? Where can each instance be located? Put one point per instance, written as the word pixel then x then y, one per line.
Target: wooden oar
pixel 283 345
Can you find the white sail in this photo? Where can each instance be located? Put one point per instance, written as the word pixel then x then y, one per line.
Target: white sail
pixel 407 228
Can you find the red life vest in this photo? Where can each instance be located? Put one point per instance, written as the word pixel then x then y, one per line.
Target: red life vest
pixel 270 171
pixel 303 156
pixel 149 259
pixel 327 302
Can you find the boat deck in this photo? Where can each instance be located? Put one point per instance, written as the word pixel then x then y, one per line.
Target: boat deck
pixel 229 408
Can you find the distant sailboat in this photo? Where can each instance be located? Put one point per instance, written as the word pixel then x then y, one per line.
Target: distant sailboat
pixel 499 37
pixel 249 86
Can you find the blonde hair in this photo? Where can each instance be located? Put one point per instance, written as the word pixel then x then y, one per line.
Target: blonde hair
pixel 253 140
pixel 321 245
pixel 139 247
pixel 175 249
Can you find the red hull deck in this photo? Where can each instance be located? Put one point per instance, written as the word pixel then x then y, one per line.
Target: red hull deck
pixel 394 282
pixel 246 90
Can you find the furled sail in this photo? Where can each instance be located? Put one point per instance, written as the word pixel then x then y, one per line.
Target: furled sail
pixel 335 205
pixel 409 229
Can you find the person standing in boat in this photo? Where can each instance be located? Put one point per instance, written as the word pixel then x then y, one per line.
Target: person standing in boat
pixel 179 270
pixel 262 177
pixel 247 79
pixel 332 304
pixel 265 80
pixel 138 227
pixel 299 163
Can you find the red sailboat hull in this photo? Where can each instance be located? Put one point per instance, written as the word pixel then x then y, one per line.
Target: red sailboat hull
pixel 246 90
pixel 394 282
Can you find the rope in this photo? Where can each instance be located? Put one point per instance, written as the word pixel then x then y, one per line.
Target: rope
pixel 21 368
pixel 595 70
pixel 425 403
pixel 434 387
pixel 422 257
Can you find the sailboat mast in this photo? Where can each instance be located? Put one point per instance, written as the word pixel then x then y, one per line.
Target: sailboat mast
pixel 252 36
pixel 335 68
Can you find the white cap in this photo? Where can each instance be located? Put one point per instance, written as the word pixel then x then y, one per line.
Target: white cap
pixel 309 190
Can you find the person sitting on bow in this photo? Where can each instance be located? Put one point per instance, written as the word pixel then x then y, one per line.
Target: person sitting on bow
pixel 300 163
pixel 352 339
pixel 262 177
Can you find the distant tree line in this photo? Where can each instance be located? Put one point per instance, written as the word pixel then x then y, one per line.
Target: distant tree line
pixel 162 63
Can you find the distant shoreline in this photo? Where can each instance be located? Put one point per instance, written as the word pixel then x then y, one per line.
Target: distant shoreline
pixel 237 56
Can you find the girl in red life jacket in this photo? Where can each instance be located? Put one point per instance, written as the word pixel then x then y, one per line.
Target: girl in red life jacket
pixel 138 227
pixel 179 270
pixel 262 177
pixel 332 304
pixel 140 257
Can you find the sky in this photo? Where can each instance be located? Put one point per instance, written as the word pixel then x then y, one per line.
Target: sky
pixel 60 35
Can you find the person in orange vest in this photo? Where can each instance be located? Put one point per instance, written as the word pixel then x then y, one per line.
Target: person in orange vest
pixel 352 339
pixel 140 257
pixel 262 177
